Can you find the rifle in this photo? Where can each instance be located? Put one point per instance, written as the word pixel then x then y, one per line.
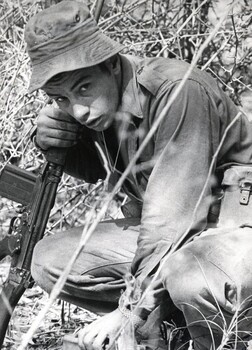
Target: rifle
pixel 37 196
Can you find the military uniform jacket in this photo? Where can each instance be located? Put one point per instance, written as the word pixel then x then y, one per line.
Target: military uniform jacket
pixel 173 168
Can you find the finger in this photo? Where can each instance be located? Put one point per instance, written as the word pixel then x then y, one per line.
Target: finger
pixel 63 125
pixel 100 341
pixel 53 123
pixel 56 114
pixel 81 334
pixel 87 337
pixel 56 138
pixel 61 135
pixel 54 142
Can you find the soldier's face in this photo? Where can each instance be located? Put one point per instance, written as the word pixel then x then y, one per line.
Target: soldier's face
pixel 89 95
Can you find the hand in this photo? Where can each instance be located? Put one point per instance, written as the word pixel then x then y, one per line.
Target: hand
pixel 56 128
pixel 101 332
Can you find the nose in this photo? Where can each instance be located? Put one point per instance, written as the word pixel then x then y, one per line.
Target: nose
pixel 80 112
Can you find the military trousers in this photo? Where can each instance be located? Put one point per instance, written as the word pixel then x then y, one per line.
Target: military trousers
pixel 209 279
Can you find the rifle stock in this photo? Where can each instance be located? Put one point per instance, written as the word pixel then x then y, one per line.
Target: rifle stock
pixel 29 230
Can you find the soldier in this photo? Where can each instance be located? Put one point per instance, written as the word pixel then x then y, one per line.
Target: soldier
pixel 101 96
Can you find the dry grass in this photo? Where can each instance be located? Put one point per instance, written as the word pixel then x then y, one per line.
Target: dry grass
pixel 62 318
pixel 172 28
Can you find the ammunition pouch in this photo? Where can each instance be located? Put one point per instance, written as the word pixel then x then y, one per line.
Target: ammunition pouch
pixel 236 204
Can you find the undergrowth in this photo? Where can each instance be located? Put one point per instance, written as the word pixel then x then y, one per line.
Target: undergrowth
pixel 168 28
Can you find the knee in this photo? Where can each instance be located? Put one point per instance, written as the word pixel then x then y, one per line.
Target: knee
pixel 183 279
pixel 41 265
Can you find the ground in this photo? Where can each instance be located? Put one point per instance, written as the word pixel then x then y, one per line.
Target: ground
pixel 63 318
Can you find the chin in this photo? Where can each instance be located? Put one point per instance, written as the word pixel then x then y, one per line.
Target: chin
pixel 102 127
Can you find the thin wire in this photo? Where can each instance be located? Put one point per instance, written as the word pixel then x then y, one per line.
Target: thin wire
pixel 106 151
pixel 119 146
pixel 113 168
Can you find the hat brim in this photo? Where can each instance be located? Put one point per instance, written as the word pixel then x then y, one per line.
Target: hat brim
pixel 100 49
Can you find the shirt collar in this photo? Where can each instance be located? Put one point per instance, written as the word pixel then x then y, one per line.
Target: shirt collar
pixel 130 90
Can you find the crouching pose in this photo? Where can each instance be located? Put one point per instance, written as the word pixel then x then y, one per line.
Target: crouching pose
pixel 113 99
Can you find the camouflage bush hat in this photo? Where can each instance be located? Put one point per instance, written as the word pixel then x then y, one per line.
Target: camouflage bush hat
pixel 62 38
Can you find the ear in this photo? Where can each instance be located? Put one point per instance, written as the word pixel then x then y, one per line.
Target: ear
pixel 113 64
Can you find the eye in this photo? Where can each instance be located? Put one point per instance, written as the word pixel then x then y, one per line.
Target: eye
pixel 59 99
pixel 83 88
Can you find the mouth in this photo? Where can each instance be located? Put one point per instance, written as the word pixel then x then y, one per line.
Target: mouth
pixel 98 123
pixel 94 123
